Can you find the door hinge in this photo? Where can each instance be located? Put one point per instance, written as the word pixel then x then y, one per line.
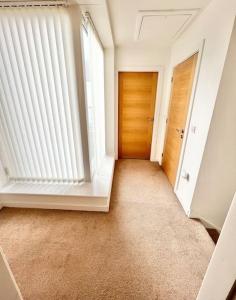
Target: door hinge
pixel 166 120
pixel 172 78
pixel 162 154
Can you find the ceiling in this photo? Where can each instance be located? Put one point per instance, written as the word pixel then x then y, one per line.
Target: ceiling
pixel 151 22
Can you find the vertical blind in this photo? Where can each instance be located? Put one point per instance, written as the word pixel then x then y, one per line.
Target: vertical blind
pixel 39 114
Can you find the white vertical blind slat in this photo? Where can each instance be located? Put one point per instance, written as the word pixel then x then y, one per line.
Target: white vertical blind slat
pixel 33 96
pixel 43 95
pixel 20 94
pixel 47 95
pixel 8 147
pixel 51 172
pixel 53 98
pixel 39 124
pixel 28 104
pixel 65 93
pixel 5 154
pixel 8 103
pixel 25 102
pixel 7 119
pixel 59 94
pixel 9 57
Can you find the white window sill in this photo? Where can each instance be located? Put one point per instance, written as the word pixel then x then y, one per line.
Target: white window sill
pixel 94 195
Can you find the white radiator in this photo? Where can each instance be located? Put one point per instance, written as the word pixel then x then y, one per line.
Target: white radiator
pixel 39 114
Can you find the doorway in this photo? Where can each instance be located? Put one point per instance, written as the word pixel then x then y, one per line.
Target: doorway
pixel 182 83
pixel 137 97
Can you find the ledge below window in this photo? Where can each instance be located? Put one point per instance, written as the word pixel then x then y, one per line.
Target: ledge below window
pixel 88 196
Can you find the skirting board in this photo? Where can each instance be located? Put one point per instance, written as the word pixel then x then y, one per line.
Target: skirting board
pixel 94 196
pixel 204 221
pixel 56 202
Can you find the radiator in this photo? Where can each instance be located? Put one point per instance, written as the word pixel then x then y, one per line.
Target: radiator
pixel 39 114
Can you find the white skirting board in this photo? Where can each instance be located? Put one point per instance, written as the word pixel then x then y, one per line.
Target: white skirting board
pixel 89 196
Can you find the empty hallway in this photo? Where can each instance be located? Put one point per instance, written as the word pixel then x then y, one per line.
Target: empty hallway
pixel 144 248
pixel 117 149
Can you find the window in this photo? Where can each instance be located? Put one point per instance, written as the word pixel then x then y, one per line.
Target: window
pixel 94 70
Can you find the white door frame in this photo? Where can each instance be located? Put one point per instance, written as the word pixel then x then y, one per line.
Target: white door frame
pixel 196 49
pixel 160 71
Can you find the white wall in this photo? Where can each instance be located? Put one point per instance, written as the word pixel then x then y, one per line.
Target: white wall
pixel 216 183
pixel 143 58
pixel 8 287
pixel 110 99
pixel 221 272
pixel 215 26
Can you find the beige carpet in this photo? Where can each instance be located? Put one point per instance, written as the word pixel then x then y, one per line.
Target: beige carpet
pixel 144 248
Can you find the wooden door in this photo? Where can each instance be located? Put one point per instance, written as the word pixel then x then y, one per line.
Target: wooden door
pixel 137 95
pixel 182 83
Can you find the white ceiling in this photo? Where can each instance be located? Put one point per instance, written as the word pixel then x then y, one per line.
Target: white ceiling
pixel 152 29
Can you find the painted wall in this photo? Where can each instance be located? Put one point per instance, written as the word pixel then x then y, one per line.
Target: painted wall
pixel 141 56
pixel 8 287
pixel 215 26
pixel 216 183
pixel 109 55
pixel 221 272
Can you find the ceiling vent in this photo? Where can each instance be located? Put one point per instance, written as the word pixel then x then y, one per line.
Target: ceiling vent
pixel 162 26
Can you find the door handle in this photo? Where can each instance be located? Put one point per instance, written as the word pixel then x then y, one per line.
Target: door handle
pixel 181 132
pixel 150 119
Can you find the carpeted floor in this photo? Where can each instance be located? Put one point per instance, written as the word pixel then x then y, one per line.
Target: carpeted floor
pixel 144 248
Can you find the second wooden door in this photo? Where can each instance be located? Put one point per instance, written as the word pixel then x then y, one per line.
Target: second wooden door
pixel 137 95
pixel 182 82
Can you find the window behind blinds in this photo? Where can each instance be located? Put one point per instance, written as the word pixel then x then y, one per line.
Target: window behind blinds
pixel 94 71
